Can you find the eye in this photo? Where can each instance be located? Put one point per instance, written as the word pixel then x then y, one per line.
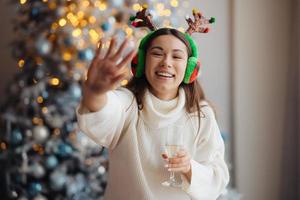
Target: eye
pixel 156 54
pixel 177 57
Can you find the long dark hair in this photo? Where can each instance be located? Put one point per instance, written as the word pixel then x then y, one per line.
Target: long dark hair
pixel 193 91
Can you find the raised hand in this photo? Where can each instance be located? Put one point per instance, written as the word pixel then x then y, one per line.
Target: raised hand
pixel 104 74
pixel 107 71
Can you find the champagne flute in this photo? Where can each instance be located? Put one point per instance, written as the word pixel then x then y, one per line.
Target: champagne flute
pixel 173 142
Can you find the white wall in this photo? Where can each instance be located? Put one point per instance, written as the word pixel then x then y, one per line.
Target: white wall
pixel 261 55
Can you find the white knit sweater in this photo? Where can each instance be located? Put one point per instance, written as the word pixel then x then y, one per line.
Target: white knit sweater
pixel 133 138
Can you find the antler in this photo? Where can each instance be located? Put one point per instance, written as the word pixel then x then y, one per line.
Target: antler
pixel 141 19
pixel 197 25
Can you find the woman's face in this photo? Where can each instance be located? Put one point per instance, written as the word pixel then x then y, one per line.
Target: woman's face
pixel 166 61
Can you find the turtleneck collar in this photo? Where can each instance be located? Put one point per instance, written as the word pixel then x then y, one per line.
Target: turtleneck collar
pixel 159 113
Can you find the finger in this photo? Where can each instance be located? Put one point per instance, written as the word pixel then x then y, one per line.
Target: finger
pixel 179 160
pixel 118 54
pixel 118 78
pixel 165 156
pixel 179 165
pixel 127 59
pixel 99 48
pixel 181 153
pixel 179 169
pixel 111 47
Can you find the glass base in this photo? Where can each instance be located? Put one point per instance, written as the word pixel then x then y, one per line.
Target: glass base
pixel 171 184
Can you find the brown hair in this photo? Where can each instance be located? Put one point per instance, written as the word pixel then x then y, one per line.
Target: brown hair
pixel 193 91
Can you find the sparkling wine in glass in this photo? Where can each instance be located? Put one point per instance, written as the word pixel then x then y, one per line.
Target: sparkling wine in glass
pixel 173 141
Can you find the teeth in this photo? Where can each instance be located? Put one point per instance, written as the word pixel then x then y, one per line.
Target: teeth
pixel 165 74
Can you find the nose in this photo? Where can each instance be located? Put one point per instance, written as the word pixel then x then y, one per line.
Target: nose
pixel 166 61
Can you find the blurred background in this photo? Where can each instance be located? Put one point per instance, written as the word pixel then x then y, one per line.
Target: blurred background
pixel 250 71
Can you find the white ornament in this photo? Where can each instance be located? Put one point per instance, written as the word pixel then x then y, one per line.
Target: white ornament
pixel 40 133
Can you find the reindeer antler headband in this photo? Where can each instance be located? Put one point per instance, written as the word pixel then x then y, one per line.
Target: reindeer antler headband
pixel 141 19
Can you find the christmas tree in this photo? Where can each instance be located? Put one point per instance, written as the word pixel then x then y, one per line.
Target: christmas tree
pixel 43 154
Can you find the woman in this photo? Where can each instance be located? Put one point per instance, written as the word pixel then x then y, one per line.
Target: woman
pixel 131 121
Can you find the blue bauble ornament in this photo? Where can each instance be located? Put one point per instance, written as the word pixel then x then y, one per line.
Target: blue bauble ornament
pixel 106 26
pixel 68 41
pixel 58 180
pixel 34 188
pixel 51 162
pixel 75 91
pixel 45 94
pixel 86 54
pixel 64 150
pixel 34 12
pixel 16 137
pixel 43 46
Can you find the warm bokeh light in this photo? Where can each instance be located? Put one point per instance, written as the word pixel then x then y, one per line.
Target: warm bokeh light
pixel 67 56
pixel 124 82
pixel 40 99
pixel 174 3
pixel 54 81
pixel 76 32
pixel 21 63
pixel 62 22
pixel 136 7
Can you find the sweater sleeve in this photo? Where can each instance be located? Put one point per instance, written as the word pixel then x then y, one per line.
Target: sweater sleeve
pixel 209 171
pixel 106 125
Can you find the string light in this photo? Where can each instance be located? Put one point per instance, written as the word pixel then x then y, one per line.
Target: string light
pixel 102 6
pixel 80 14
pixel 21 63
pixel 85 3
pixel 40 99
pixel 3 146
pixel 67 56
pixel 93 35
pixel 56 132
pixel 167 12
pixel 62 22
pixel 76 32
pixel 54 26
pixel 160 6
pixel 54 81
pixel 124 82
pixel 83 23
pixel 174 3
pixel 37 121
pixel 128 31
pixel 45 110
pixel 136 7
pixel 23 1
pixel 72 6
pixel 52 5
pixel 92 19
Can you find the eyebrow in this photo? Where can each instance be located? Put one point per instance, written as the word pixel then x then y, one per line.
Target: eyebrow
pixel 158 47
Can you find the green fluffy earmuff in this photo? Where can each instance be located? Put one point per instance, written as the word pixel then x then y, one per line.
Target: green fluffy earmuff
pixel 193 64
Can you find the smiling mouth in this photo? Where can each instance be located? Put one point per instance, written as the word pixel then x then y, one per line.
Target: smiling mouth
pixel 164 74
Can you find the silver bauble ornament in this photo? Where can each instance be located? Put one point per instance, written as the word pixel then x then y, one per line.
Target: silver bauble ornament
pixel 40 133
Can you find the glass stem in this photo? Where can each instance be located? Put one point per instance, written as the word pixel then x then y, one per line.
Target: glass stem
pixel 172 177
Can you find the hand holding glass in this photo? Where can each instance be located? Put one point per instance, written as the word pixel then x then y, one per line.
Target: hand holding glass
pixel 173 141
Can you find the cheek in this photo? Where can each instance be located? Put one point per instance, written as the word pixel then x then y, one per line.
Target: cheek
pixel 181 69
